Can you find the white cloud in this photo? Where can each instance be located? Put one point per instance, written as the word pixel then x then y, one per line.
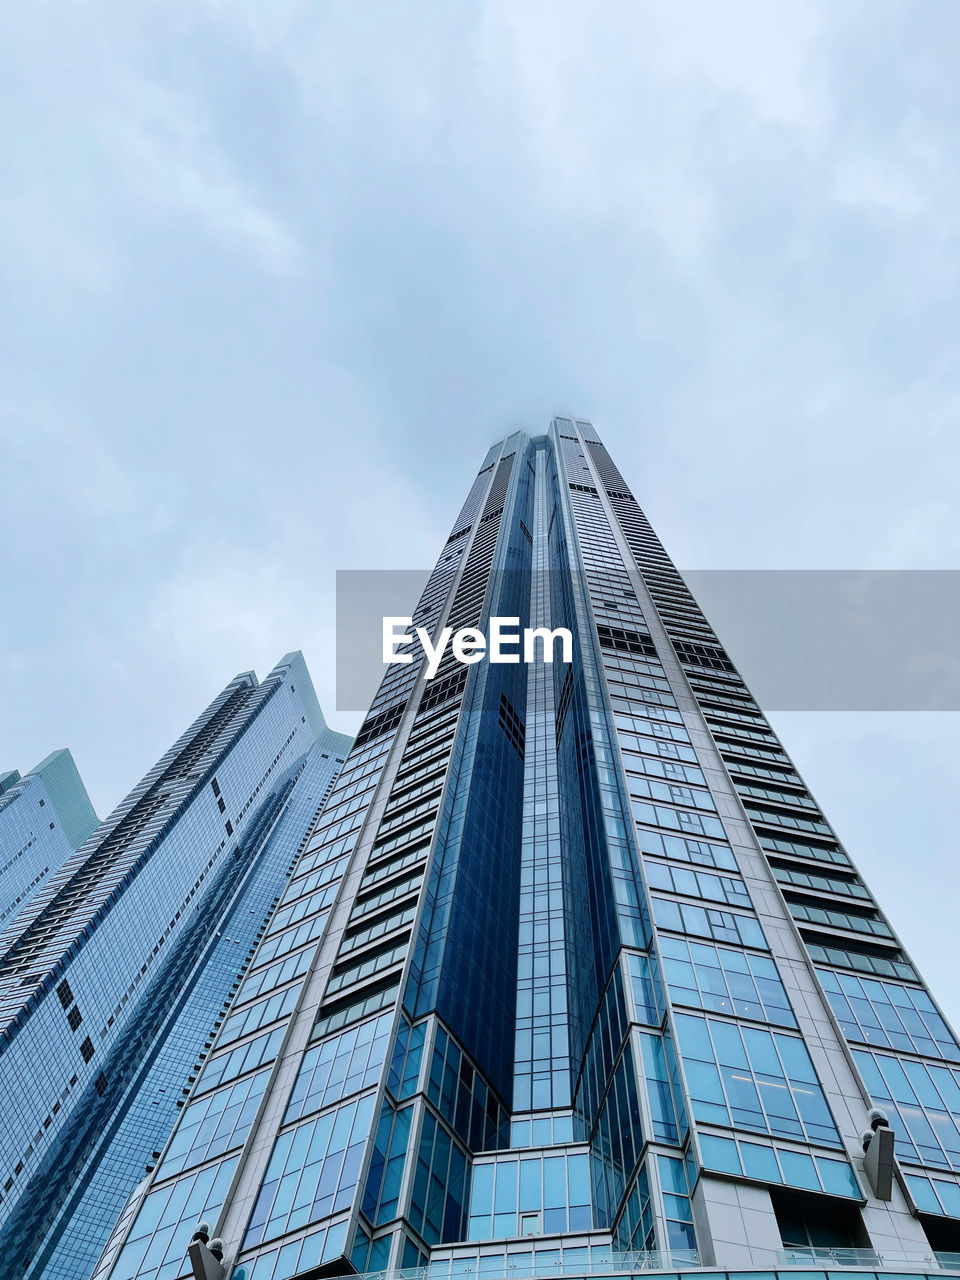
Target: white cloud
pixel 103 145
pixel 166 152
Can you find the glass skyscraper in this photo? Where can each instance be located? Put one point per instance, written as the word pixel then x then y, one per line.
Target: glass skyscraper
pixel 572 977
pixel 44 818
pixel 118 973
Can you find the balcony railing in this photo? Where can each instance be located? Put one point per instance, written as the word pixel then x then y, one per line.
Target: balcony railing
pixel 785 1261
pixel 496 1267
pixel 868 1259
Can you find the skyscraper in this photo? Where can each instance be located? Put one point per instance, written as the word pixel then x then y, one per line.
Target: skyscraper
pixel 44 818
pixel 120 970
pixel 590 984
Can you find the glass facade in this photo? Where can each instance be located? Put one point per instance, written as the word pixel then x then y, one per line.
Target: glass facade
pixel 572 975
pixel 178 910
pixel 44 818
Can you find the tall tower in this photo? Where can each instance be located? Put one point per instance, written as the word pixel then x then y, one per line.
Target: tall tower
pixel 44 818
pixel 120 970
pixel 576 977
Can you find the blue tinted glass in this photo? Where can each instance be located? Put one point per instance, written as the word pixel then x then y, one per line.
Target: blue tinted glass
pixel 720 1154
pixel 505 1195
pixel 799 1170
pixel 923 1194
pixel 949 1195
pixel 760 1162
pixel 554 1182
pixel 578 1173
pixel 837 1177
pixel 529 1185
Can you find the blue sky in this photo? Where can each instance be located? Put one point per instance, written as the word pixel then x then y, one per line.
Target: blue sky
pixel 273 276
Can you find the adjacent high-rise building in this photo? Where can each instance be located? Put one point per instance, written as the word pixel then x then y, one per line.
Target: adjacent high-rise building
pixel 44 818
pixel 573 975
pixel 119 971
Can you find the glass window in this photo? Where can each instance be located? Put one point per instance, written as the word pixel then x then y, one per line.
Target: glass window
pixel 700 922
pixel 799 1170
pixel 168 1218
pixel 760 1162
pixel 923 1101
pixel 888 1015
pixel 344 1064
pixel 312 1171
pixel 720 1154
pixel 214 1123
pixel 721 980
pixel 531 1195
pixel 753 1079
pixel 837 1177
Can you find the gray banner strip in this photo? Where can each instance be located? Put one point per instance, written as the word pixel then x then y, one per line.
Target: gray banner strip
pixel 804 640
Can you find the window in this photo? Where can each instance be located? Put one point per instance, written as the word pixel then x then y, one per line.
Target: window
pixel 258 1015
pixel 213 1124
pixel 663 1087
pixel 529 1195
pixel 382 1191
pixel 324 1157
pixel 438 1200
pixel 721 980
pixel 808 1223
pixel 698 884
pixel 167 1219
pixel 342 1065
pixel 635 1229
pixel 924 1105
pixel 463 1097
pixel 695 824
pixel 672 792
pixel 699 851
pixel 943 1236
pixel 705 922
pixel 227 1066
pixel 753 1079
pixel 772 1164
pixel 888 1015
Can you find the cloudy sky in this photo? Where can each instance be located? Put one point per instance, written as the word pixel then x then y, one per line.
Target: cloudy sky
pixel 274 274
